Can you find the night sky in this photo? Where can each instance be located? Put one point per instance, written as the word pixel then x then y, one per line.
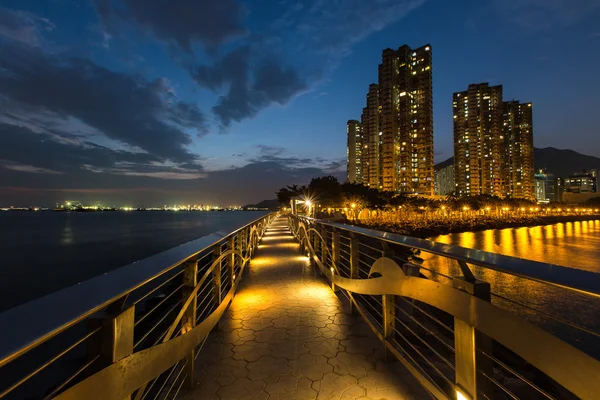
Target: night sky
pixel 141 102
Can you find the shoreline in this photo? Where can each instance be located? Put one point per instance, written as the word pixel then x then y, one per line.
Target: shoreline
pixel 475 224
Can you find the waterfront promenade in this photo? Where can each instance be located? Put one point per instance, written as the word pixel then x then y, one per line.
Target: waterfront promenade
pixel 286 335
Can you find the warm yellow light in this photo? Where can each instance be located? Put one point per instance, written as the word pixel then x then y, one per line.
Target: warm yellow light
pixel 331 269
pixel 234 277
pixel 568 210
pixel 353 205
pixel 596 210
pixel 461 396
pixel 488 209
pixel 443 207
pixel 308 203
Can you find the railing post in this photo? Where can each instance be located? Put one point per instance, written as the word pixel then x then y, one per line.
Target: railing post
pixel 216 273
pixel 315 245
pixel 335 251
pixel 231 261
pixel 469 345
pixel 190 280
pixel 388 302
pixel 115 340
pixel 323 246
pixel 353 265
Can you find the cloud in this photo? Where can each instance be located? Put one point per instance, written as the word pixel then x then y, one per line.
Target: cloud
pixel 22 26
pixel 251 88
pixel 26 151
pixel 16 166
pixel 179 22
pixel 128 109
pixel 545 14
pixel 254 72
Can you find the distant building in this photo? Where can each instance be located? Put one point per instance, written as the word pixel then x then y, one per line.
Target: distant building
pixel 559 189
pixel 354 151
pixel 397 124
pixel 444 179
pixel 493 144
pixel 545 187
pixel 583 182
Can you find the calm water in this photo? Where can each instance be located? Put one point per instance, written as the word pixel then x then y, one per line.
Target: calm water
pixel 45 251
pixel 572 244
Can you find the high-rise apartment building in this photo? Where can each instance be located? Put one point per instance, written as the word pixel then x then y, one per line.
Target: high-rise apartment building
pixel 406 99
pixel 371 139
pixel 397 124
pixel 493 144
pixel 354 151
pixel 479 141
pixel 518 135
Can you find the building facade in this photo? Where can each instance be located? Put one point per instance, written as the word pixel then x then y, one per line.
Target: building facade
pixel 545 185
pixel 397 124
pixel 493 144
pixel 444 181
pixel 479 141
pixel 518 134
pixel 371 139
pixel 584 182
pixel 354 151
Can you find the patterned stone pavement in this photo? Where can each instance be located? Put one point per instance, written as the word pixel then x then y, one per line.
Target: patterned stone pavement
pixel 287 336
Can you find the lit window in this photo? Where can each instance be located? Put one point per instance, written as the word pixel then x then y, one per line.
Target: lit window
pixel 402 94
pixel 427 48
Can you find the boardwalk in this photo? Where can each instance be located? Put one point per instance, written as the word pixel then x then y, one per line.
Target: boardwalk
pixel 287 336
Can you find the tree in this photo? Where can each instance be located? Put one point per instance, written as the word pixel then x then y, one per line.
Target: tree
pixel 284 195
pixel 325 191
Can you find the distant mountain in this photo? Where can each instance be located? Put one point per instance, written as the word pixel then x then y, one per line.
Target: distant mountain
pixel 555 161
pixel 271 204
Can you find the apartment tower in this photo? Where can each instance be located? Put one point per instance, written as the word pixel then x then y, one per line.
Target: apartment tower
pixel 479 141
pixel 406 100
pixel 493 144
pixel 371 139
pixel 518 133
pixel 354 151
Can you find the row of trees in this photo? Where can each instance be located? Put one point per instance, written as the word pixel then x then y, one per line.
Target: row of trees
pixel 327 192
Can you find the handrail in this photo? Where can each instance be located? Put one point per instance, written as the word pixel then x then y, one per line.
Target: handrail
pixel 56 313
pixel 483 333
pixel 574 279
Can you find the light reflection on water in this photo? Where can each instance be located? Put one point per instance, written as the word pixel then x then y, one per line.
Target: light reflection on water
pixel 572 244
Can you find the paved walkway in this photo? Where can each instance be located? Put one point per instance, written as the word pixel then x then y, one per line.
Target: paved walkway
pixel 287 336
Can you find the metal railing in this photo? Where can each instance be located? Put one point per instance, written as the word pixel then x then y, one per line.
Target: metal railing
pixel 459 336
pixel 131 333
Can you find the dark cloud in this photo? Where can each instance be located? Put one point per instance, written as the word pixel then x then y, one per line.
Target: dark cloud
pixel 22 26
pixel 128 109
pixel 270 150
pixel 27 151
pixel 178 21
pixel 252 86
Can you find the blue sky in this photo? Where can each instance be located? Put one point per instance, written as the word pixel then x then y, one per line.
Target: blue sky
pixel 138 101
